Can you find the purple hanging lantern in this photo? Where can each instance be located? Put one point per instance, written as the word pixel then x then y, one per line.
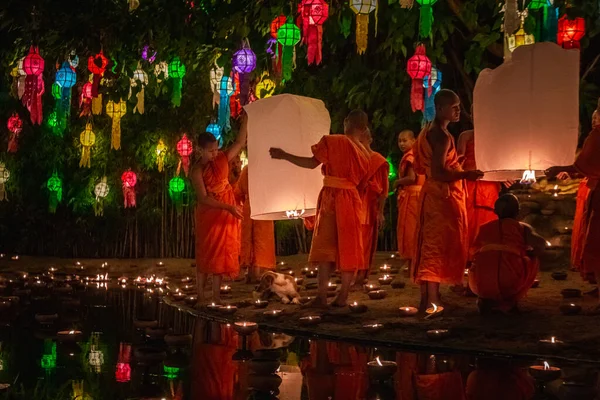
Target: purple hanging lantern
pixel 244 62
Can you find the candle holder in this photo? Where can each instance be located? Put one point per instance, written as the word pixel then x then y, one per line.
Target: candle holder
pixel 331 287
pixel 570 309
pixel 179 296
pixel 559 276
pixel 434 312
pixel 356 308
pixel 273 314
pixel 225 289
pixel 228 309
pixel 311 274
pixel 306 299
pixel 381 370
pixel 305 270
pixel 551 343
pixel 187 279
pixel 261 304
pixel 299 281
pixel 191 300
pixel 310 320
pixel 289 272
pixel 213 307
pixel 570 293
pixel 245 328
pixel 535 284
pixel 188 289
pixel 69 336
pixel 369 287
pixel 545 372
pixel 408 311
pixel 373 328
pixel 554 191
pixel 438 334
pixel 386 280
pixel 377 294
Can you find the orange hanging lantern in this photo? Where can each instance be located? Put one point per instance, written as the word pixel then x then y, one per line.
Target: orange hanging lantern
pixel 313 13
pixel 33 65
pixel 418 67
pixel 97 66
pixel 570 32
pixel 185 149
pixel 129 179
pixel 116 112
pixel 15 126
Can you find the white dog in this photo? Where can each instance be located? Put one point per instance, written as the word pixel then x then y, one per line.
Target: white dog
pixel 282 285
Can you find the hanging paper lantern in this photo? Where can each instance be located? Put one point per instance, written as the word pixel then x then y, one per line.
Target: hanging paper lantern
pixel 116 112
pixel 149 54
pixel 66 79
pixel 185 148
pixel 546 23
pixel 87 139
pixel 139 75
pixel 97 66
pixel 418 67
pixel 161 151
pixel 265 87
pixel 4 176
pixel 215 130
pixel 53 122
pixel 161 71
pixel 56 91
pixel 537 4
pixel 362 8
pixel 407 3
pixel 19 75
pixel 570 32
pixel 276 56
pixel 226 90
pixel 33 65
pixel 176 187
pixel 101 191
pixel 85 100
pixel 129 179
pixel 216 74
pixel 73 59
pixel 288 36
pixel 54 186
pixel 123 372
pixel 426 19
pixel 176 72
pixel 235 106
pixel 313 13
pixel 15 126
pixel 518 39
pixel 244 62
pixel 432 85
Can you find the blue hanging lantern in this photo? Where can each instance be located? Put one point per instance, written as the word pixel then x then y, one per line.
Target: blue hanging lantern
pixel 226 90
pixel 215 130
pixel 432 84
pixel 66 79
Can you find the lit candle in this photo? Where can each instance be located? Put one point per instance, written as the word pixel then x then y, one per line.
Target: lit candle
pixel 245 328
pixel 187 279
pixel 273 314
pixel 408 311
pixel 372 328
pixel 551 343
pixel 331 287
pixel 386 280
pixel 311 274
pixel 385 268
pixel 570 309
pixel 179 296
pixel 434 311
pixel 225 289
pixel 371 286
pixel 191 300
pixel 545 372
pixel 228 309
pixel 15 258
pixel 214 307
pixel 555 191
pixel 52 269
pixel 357 308
pixel 377 294
pixel 310 320
pixel 305 299
pixel 69 336
pixel 381 370
pixel 305 270
pixel 159 264
pixel 299 281
pixel 438 334
pixel 535 284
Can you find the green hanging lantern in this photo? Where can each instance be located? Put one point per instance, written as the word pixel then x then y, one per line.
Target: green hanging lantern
pixel 171 372
pixel 53 121
pixel 176 72
pixel 56 91
pixel 176 187
pixel 426 20
pixel 48 361
pixel 54 186
pixel 537 4
pixel 288 36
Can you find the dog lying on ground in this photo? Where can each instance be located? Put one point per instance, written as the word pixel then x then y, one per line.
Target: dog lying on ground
pixel 283 285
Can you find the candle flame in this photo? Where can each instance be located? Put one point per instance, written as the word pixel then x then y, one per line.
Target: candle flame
pixel 546 366
pixel 71 332
pixel 555 187
pixel 548 244
pixel 355 303
pixel 244 324
pixel 572 305
pixel 553 339
pixel 378 362
pixel 528 177
pixel 294 214
pixel 386 277
pixel 435 307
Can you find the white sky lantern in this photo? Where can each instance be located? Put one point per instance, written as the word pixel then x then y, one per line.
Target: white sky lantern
pixel 526 113
pixel 279 189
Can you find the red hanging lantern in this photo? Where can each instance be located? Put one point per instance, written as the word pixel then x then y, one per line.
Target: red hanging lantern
pixel 15 125
pixel 129 179
pixel 418 68
pixel 33 65
pixel 85 101
pixel 277 54
pixel 123 372
pixel 235 105
pixel 97 65
pixel 313 13
pixel 185 148
pixel 570 32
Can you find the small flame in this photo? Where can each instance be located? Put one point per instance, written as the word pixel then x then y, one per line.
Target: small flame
pixel 553 339
pixel 385 277
pixel 546 366
pixel 71 332
pixel 572 305
pixel 294 214
pixel 406 308
pixel 355 304
pixel 379 362
pixel 244 324
pixel 548 244
pixel 435 307
pixel 213 304
pixel 528 177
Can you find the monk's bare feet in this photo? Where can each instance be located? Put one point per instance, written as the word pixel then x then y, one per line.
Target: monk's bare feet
pixel 317 302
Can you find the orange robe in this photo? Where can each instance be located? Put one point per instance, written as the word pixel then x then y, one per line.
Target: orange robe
pixel 377 185
pixel 588 164
pixel 408 209
pixel 501 270
pixel 441 236
pixel 481 196
pixel 217 231
pixel 337 236
pixel 258 237
pixel 579 227
pixel 500 384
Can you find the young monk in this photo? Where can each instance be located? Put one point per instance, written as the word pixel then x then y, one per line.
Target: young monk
pixel 409 186
pixel 505 259
pixel 337 238
pixel 373 201
pixel 258 237
pixel 441 248
pixel 217 213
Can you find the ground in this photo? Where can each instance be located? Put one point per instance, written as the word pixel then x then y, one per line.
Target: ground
pixel 516 335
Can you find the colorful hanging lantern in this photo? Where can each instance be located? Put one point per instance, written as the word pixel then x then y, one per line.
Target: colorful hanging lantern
pixel 176 72
pixel 53 122
pixel 176 187
pixel 432 84
pixel 407 3
pixel 73 59
pixel 418 67
pixel 15 126
pixel 56 91
pixel 570 32
pixel 362 8
pixel 85 100
pixel 161 152
pixel 4 176
pixel 426 20
pixel 101 191
pixel 288 36
pixel 215 130
pixel 313 13
pixel 97 66
pixel 149 54
pixel 54 186
pixel 161 71
pixel 265 87
pixel 129 179
pixel 519 38
pixel 226 90
pixel 546 23
pixel 276 56
pixel 216 74
pixel 244 62
pixel 87 139
pixel 185 148
pixel 235 106
pixel 123 372
pixel 66 79
pixel 116 111
pixel 19 75
pixel 33 65
pixel 139 75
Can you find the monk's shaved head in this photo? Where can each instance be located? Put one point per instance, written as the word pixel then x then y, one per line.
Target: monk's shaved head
pixel 445 97
pixel 507 206
pixel 408 134
pixel 356 120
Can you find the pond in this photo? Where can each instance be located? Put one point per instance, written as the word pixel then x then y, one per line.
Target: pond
pixel 121 343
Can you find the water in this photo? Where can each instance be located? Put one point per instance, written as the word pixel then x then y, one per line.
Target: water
pixel 115 358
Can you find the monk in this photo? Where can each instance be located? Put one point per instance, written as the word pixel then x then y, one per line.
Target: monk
pixel 217 213
pixel 505 259
pixel 409 186
pixel 258 237
pixel 441 236
pixel 337 238
pixel 499 380
pixel 373 201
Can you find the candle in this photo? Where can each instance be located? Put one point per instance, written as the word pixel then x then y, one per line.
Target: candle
pixel 331 287
pixel 311 274
pixel 187 279
pixel 372 328
pixel 570 309
pixel 69 336
pixel 559 276
pixel 305 270
pixel 551 343
pixel 15 258
pixel 290 272
pixel 386 280
pixel 377 294
pixel 191 300
pixel 225 289
pixel 357 308
pixel 299 281
pixel 245 328
pixel 282 263
pixel 371 286
pixel 159 264
pixel 570 293
pixel 214 307
pixel 544 372
pixel 228 309
pixel 535 284
pixel 438 334
pixel 408 311
pixel 305 299
pixel 434 311
pixel 179 296
pixel 381 370
pixel 272 314
pixel 385 268
pixel 555 191
pixel 466 272
pixel 52 269
pixel 261 304
pixel 310 320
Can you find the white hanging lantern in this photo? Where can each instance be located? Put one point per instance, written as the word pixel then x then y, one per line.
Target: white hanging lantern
pixel 139 75
pixel 4 176
pixel 101 191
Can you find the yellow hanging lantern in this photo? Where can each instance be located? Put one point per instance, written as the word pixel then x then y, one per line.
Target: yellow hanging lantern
pixel 87 139
pixel 243 158
pixel 265 87
pixel 519 38
pixel 161 151
pixel 363 8
pixel 116 112
pixel 139 77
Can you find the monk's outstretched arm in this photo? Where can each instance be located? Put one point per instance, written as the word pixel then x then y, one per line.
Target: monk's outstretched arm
pixel 240 140
pixel 203 197
pixel 302 162
pixel 534 240
pixel 409 179
pixel 440 145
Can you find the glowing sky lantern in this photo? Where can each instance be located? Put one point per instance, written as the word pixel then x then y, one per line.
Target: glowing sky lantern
pixel 293 123
pixel 129 179
pixel 15 126
pixel 177 71
pixel 4 177
pixel 161 152
pixel 101 191
pixel 426 20
pixel 33 65
pixel 570 32
pixel 87 138
pixel 244 62
pixel 97 66
pixel 313 14
pixel 140 77
pixel 288 36
pixel 185 148
pixel 418 67
pixel 362 9
pixel 116 111
pixel 523 123
pixel 54 186
pixel 226 90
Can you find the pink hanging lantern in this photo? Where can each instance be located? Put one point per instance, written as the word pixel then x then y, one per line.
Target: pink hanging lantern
pixel 185 148
pixel 129 179
pixel 313 13
pixel 418 68
pixel 85 101
pixel 33 65
pixel 15 126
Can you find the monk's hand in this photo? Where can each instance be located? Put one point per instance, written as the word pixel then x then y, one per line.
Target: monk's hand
pixel 277 153
pixel 380 221
pixel 563 176
pixel 236 211
pixel 473 175
pixel 553 172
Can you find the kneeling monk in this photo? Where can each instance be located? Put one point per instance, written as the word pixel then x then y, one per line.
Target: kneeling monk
pixel 505 261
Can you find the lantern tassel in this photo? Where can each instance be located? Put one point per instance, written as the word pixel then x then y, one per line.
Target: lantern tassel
pixel 3 192
pixel 115 138
pixel 426 21
pixel 416 95
pixel 85 161
pixel 160 160
pixel 140 105
pixel 99 207
pixel 97 105
pixel 32 97
pixel 429 109
pixel 186 164
pixel 63 110
pixel 362 32
pixel 55 198
pixel 287 62
pixel 177 198
pixel 224 112
pixel 176 96
pixel 315 44
pixel 550 24
pixel 244 89
pixel 129 196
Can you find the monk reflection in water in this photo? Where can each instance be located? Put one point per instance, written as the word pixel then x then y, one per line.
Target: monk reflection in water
pixel 505 259
pixel 499 380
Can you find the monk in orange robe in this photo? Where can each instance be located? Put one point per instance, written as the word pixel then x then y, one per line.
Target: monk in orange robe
pixel 409 186
pixel 217 213
pixel 498 380
pixel 258 237
pixel 373 201
pixel 337 238
pixel 441 236
pixel 505 258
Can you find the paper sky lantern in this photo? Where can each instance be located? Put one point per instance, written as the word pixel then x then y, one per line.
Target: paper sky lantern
pixel 418 67
pixel 15 126
pixel 97 66
pixel 176 187
pixel 523 123
pixel 265 87
pixel 33 65
pixel 226 90
pixel 432 84
pixel 140 77
pixel 4 176
pixel 185 148
pixel 570 32
pixel 85 100
pixel 426 20
pixel 161 152
pixel 116 111
pixel 87 138
pixel 176 73
pixel 216 74
pixel 313 13
pixel 216 131
pixel 129 179
pixel 66 79
pixel 101 191
pixel 276 55
pixel 288 36
pixel 280 190
pixel 362 9
pixel 407 3
pixel 244 62
pixel 54 186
